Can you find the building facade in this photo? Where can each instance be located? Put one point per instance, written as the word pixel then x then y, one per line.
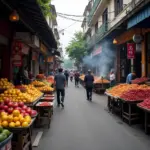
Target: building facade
pixel 118 23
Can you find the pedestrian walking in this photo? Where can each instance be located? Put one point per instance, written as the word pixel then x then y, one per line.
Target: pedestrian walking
pixel 88 81
pixel 60 82
pixel 67 76
pixel 76 76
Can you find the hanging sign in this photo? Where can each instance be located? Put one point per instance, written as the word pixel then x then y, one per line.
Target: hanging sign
pixel 17 53
pixel 131 50
pixel 43 48
pixel 97 51
pixel 50 59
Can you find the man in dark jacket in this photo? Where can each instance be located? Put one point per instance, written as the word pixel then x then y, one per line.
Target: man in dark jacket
pixel 60 82
pixel 88 80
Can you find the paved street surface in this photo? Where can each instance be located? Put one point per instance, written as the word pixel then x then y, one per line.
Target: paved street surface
pixel 84 125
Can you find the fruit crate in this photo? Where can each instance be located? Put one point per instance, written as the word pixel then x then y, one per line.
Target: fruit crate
pixel 6 144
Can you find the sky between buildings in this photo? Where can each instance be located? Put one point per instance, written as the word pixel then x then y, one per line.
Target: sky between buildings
pixel 75 7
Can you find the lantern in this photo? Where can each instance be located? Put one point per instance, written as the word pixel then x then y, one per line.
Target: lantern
pixel 14 16
pixel 115 41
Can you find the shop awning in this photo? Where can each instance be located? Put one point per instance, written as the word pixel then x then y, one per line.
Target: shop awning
pixel 31 15
pixel 139 17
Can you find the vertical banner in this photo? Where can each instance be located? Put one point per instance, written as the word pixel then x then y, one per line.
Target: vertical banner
pixel 17 54
pixel 131 50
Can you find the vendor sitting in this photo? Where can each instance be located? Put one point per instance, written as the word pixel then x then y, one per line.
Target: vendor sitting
pixel 130 77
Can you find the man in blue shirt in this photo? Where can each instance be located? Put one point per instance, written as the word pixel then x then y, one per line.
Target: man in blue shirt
pixel 130 77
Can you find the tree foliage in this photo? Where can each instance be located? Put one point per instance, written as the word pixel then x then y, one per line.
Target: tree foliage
pixel 76 48
pixel 45 7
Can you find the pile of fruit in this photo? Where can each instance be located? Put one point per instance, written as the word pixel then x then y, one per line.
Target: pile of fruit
pixel 136 94
pixel 16 96
pixel 45 89
pixel 38 83
pixel 33 92
pixel 82 77
pixel 15 114
pixel 139 80
pixel 118 90
pixel 4 84
pixel 40 76
pixel 47 83
pixel 4 134
pixel 50 79
pixel 100 80
pixel 8 106
pixel 145 104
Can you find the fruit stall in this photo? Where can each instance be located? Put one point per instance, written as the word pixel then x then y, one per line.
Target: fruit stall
pixel 20 107
pixel 100 84
pixel 130 100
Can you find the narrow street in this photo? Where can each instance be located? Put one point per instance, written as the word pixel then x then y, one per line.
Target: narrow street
pixel 84 125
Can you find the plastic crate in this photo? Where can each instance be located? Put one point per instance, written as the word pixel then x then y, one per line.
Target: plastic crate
pixel 6 144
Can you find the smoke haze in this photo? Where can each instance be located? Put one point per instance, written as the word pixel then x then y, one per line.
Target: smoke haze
pixel 105 61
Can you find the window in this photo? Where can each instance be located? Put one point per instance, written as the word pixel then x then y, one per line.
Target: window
pixel 96 27
pixel 118 6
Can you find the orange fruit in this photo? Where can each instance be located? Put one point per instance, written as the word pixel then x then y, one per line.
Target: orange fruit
pixel 20 116
pixel 4 123
pixel 22 120
pixel 16 119
pixel 27 120
pixel 25 124
pixel 12 124
pixel 16 113
pixel 3 113
pixel 4 118
pixel 10 118
pixel 17 123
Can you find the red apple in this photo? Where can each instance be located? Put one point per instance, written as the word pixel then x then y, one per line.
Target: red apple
pixel 26 114
pixel 21 104
pixel 24 107
pixel 5 107
pixel 23 111
pixel 10 110
pixel 6 101
pixel 15 105
pixel 29 110
pixel 18 108
pixel 33 113
pixel 10 104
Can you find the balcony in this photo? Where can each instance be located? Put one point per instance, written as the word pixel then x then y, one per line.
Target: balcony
pixel 95 5
pixel 97 37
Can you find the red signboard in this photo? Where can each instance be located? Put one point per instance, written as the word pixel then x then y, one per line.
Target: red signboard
pixel 17 54
pixel 97 51
pixel 131 50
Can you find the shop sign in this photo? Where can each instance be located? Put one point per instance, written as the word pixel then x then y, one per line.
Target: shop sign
pixel 50 59
pixel 17 54
pixel 131 50
pixel 43 48
pixel 36 41
pixel 97 51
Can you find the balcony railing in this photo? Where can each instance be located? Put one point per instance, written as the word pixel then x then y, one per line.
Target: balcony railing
pixel 93 10
pixel 97 37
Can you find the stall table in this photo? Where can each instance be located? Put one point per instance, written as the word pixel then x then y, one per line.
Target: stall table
pixel 130 111
pixel 146 118
pixel 44 112
pixel 100 88
pixel 22 137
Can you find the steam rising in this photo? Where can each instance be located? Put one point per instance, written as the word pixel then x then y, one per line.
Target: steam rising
pixel 104 62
